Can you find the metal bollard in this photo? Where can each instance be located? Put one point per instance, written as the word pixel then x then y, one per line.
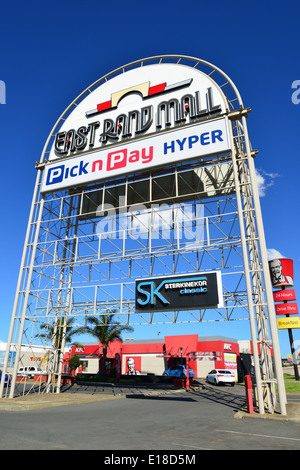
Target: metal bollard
pixel 249 397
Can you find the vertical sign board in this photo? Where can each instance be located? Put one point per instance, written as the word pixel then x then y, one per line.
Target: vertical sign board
pixel 282 276
pixel 230 363
pixel 180 292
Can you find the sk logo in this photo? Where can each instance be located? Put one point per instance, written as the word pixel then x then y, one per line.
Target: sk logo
pixel 151 293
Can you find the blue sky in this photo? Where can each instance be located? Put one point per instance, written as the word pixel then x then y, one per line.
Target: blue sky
pixel 50 52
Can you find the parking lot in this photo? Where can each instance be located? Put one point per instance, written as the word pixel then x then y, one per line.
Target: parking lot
pixel 106 417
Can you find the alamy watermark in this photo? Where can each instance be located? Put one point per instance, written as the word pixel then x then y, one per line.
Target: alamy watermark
pixel 296 94
pixel 2 92
pixel 184 222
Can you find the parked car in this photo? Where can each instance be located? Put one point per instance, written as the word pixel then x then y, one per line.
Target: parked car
pixel 6 380
pixel 29 371
pixel 178 371
pixel 218 376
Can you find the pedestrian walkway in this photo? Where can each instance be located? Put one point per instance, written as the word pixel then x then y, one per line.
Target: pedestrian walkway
pixel 49 400
pixel 292 414
pixel 82 393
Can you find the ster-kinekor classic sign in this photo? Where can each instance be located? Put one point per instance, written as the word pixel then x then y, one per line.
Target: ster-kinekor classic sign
pixel 180 292
pixel 143 118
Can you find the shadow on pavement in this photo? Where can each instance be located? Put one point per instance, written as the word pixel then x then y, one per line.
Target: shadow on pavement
pixel 221 396
pixel 233 398
pixel 160 397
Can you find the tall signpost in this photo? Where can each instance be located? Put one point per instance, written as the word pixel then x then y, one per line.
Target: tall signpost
pixel 146 205
pixel 282 276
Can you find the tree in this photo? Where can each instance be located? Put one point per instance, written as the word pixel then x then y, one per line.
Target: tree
pixel 55 335
pixel 49 333
pixel 74 362
pixel 106 330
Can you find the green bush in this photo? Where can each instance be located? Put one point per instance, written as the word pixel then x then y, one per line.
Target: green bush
pixel 74 362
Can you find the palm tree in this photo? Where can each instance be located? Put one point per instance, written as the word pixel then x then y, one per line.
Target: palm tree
pixel 50 333
pixel 106 330
pixel 54 334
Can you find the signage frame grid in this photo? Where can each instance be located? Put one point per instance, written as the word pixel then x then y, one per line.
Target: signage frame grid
pixel 59 212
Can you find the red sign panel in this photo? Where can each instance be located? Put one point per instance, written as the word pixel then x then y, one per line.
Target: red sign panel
pixel 286 294
pixel 286 309
pixel 282 272
pixel 133 365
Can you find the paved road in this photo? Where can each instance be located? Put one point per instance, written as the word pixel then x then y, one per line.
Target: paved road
pixel 203 419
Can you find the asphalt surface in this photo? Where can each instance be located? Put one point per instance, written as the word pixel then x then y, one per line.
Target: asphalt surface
pixel 127 418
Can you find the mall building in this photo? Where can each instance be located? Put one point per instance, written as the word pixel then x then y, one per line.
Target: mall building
pixel 154 356
pixel 149 356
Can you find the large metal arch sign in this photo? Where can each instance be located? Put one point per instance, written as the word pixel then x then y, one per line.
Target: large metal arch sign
pixel 122 128
pixel 189 66
pixel 165 129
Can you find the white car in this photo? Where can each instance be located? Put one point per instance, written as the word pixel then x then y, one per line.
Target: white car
pixel 217 376
pixel 29 371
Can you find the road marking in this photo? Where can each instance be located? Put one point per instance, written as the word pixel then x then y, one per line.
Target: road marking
pixel 259 435
pixel 192 447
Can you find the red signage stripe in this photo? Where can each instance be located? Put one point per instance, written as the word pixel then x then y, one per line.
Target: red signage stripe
pixel 103 106
pixel 286 309
pixel 153 90
pixel 286 294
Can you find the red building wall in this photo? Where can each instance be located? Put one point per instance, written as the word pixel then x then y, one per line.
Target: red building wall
pixel 172 349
